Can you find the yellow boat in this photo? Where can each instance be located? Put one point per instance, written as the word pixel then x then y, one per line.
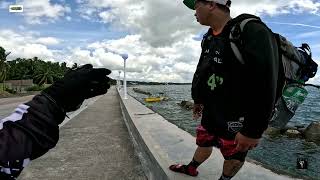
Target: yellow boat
pixel 153 99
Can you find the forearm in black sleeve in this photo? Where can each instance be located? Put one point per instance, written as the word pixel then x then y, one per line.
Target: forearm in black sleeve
pixel 261 57
pixel 29 132
pixel 197 84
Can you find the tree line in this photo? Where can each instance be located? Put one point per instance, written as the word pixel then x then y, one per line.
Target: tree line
pixel 41 72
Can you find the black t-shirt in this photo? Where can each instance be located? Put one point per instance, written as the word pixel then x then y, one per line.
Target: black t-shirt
pixel 237 97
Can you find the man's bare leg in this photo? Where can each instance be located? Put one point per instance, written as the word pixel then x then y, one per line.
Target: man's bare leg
pixel 202 153
pixel 230 169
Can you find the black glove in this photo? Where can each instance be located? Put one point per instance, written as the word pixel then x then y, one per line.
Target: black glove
pixel 77 85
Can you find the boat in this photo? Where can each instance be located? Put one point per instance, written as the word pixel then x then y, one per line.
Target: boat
pixel 153 99
pixel 157 98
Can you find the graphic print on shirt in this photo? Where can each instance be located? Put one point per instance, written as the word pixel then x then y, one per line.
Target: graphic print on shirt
pixel 235 126
pixel 214 81
pixel 214 55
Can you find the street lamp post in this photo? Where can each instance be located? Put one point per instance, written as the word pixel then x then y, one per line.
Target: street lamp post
pixel 124 57
pixel 119 81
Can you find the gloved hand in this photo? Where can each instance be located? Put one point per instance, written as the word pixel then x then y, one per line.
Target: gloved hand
pixel 77 85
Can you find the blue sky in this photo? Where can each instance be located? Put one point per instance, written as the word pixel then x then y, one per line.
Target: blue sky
pixel 73 31
pixel 298 28
pixel 158 36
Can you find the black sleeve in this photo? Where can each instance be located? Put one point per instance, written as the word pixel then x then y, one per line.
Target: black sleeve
pixel 197 81
pixel 197 86
pixel 28 133
pixel 261 58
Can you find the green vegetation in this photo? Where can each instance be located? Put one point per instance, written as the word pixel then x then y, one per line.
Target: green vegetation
pixel 11 91
pixel 36 88
pixel 3 66
pixel 39 71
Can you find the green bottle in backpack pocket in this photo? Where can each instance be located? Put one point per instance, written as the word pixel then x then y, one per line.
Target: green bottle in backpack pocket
pixel 294 96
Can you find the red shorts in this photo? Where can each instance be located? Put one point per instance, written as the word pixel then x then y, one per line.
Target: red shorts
pixel 227 147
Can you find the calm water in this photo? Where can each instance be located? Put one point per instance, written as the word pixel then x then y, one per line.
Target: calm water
pixel 278 153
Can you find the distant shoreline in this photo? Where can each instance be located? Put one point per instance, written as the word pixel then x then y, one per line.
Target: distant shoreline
pixel 133 83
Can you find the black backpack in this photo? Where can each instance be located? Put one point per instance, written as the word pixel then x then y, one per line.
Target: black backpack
pixel 297 68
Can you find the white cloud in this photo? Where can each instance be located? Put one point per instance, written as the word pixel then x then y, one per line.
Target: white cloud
pixel 156 21
pixel 160 23
pixel 144 64
pixel 107 17
pixel 315 80
pixel 68 18
pixel 32 50
pixel 296 24
pixel 21 27
pixel 312 34
pixel 42 11
pixel 275 7
pixel 25 45
pixel 48 41
pixel 162 47
pixel 165 64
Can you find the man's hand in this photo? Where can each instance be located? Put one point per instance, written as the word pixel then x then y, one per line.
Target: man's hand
pixel 197 111
pixel 77 85
pixel 245 143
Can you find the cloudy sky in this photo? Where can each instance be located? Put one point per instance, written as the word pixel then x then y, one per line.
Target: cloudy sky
pixel 160 37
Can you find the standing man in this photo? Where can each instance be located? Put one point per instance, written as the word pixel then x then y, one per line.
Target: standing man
pixel 235 100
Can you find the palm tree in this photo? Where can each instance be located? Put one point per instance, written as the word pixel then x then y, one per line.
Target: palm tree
pixel 3 65
pixel 45 75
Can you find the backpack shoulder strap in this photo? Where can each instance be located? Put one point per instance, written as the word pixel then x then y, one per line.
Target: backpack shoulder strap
pixel 235 35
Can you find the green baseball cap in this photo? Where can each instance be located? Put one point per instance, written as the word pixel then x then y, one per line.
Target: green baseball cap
pixel 191 3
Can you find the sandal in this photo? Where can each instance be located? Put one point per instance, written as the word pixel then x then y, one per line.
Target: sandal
pixel 180 168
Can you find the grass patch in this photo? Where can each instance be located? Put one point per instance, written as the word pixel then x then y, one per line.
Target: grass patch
pixel 35 88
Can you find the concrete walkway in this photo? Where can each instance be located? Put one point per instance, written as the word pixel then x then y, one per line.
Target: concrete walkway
pixel 7 105
pixel 93 145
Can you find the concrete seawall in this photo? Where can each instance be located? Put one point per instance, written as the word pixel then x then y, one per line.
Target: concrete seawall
pixel 160 143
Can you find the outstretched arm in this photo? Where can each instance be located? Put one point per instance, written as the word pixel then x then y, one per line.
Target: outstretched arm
pixel 28 133
pixel 32 129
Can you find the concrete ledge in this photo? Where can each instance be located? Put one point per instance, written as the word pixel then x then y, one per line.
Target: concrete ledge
pixel 152 168
pixel 160 143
